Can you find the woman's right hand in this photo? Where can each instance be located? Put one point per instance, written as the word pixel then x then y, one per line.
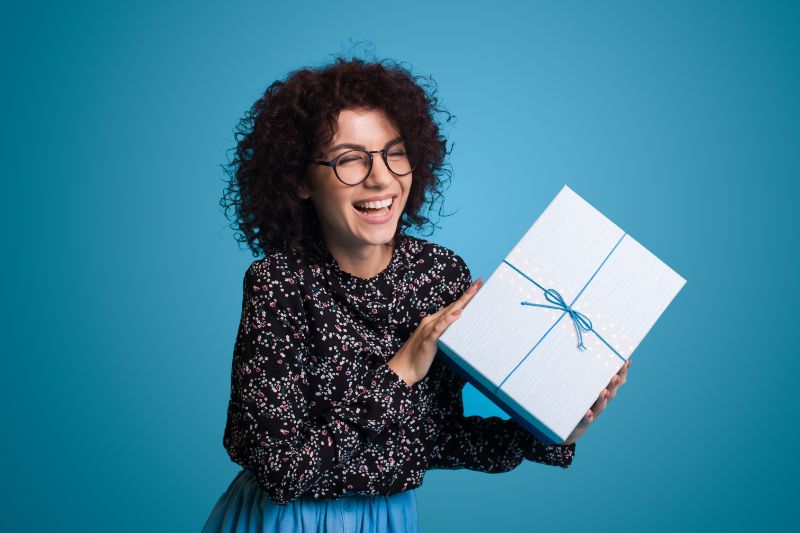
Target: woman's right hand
pixel 415 357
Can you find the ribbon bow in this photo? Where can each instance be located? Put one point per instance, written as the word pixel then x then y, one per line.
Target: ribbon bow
pixel 581 321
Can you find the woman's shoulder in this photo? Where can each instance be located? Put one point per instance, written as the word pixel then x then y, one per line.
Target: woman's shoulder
pixel 431 254
pixel 435 259
pixel 275 267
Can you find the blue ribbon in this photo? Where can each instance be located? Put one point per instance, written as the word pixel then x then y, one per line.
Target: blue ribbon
pixel 581 321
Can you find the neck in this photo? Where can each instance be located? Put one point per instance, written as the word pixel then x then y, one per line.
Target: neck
pixel 362 261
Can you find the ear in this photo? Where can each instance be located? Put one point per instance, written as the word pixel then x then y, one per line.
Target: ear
pixel 302 191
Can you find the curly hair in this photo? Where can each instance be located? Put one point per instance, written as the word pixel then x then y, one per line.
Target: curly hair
pixel 294 119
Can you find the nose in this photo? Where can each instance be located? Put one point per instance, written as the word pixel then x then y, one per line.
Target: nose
pixel 380 173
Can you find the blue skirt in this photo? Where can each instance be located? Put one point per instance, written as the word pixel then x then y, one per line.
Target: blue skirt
pixel 245 508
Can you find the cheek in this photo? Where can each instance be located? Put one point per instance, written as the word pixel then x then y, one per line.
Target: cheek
pixel 333 212
pixel 343 210
pixel 405 200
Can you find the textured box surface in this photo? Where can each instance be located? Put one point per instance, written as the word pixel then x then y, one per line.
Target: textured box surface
pixel 527 358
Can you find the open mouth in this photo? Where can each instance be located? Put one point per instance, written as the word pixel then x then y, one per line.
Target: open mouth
pixel 376 210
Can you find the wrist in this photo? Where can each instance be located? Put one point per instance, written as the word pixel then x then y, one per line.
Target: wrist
pixel 398 366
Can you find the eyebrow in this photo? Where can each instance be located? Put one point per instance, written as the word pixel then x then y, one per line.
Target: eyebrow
pixel 359 146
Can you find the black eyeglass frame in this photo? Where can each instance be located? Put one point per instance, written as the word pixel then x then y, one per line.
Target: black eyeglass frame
pixel 333 162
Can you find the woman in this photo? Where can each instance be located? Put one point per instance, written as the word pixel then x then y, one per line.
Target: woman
pixel 338 403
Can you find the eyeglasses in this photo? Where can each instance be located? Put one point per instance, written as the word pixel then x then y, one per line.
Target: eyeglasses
pixel 353 166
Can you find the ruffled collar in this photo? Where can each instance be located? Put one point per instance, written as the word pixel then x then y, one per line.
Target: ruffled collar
pixel 373 298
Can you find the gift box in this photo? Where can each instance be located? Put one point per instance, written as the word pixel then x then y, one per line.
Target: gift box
pixel 559 316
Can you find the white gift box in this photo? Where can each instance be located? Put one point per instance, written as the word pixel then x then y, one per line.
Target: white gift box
pixel 546 366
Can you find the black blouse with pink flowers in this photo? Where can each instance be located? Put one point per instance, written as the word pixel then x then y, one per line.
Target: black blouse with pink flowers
pixel 316 412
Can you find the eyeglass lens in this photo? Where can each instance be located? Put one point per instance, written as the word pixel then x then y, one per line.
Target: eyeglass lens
pixel 353 166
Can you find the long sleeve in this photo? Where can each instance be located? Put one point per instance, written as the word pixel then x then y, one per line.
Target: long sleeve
pixel 490 444
pixel 554 455
pixel 270 429
pixel 487 444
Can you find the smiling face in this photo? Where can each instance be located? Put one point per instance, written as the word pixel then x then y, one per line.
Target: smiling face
pixel 343 226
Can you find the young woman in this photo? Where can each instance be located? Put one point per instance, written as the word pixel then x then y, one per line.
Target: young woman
pixel 338 402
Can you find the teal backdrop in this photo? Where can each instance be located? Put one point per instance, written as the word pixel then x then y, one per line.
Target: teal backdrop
pixel 122 282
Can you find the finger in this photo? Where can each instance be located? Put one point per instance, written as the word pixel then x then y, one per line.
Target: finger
pixel 462 301
pixel 471 291
pixel 587 419
pixel 623 372
pixel 445 317
pixel 613 387
pixel 438 323
pixel 612 383
pixel 435 329
pixel 600 404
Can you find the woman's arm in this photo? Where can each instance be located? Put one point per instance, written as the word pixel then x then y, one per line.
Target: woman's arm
pixel 270 430
pixel 490 444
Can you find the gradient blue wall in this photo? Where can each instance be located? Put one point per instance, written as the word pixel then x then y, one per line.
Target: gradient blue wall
pixel 122 285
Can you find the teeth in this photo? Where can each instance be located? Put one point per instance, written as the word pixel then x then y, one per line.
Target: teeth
pixel 375 205
pixel 380 214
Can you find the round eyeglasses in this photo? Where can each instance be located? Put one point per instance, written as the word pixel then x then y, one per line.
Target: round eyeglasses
pixel 353 166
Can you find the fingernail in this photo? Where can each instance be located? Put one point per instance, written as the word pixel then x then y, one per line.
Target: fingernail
pixel 456 313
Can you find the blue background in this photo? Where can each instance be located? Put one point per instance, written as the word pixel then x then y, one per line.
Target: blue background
pixel 122 283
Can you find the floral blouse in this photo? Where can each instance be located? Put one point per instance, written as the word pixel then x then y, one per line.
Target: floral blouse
pixel 314 409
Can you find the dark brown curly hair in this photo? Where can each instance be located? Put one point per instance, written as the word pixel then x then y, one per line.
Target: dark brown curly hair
pixel 290 123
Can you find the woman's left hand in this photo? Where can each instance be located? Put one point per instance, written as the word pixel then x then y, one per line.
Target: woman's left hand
pixel 606 395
